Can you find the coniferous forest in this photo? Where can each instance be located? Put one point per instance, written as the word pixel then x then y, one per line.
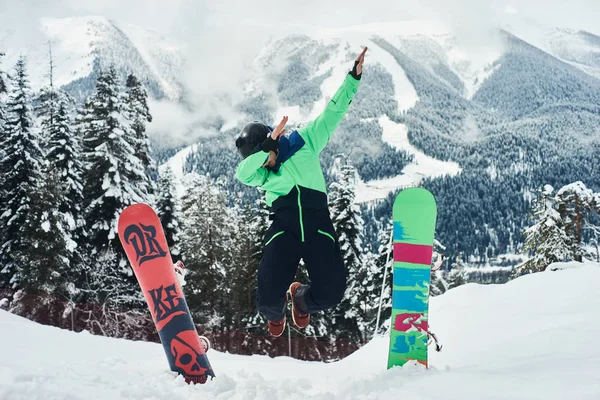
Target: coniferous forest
pixel 68 170
pixel 69 166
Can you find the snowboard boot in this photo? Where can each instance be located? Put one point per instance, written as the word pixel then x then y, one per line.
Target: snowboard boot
pixel 300 320
pixel 276 328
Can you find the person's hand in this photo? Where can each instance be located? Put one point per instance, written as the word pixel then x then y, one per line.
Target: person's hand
pixel 359 61
pixel 279 129
pixel 358 65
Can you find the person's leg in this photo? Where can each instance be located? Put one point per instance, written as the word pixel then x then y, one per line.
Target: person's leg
pixel 276 271
pixel 327 273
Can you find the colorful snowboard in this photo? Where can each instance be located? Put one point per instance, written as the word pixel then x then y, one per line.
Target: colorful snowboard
pixel 144 242
pixel 414 218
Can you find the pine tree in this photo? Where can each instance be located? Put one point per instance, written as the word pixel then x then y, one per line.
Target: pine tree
pixel 575 202
pixel 206 243
pixel 3 199
pixel 63 155
pixel 437 282
pixel 44 258
pixel 20 171
pixel 251 226
pixel 383 266
pixel 64 159
pixel 3 87
pixel 138 114
pixel 348 317
pixel 242 281
pixel 3 92
pixel 111 169
pixel 547 239
pixel 47 101
pixel 168 209
pixel 458 274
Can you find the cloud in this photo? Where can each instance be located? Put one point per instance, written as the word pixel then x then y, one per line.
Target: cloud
pixel 221 37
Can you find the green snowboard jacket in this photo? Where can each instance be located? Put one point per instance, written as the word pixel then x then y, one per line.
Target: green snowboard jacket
pixel 296 181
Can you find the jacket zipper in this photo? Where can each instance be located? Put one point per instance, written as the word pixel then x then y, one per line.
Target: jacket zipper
pixel 300 214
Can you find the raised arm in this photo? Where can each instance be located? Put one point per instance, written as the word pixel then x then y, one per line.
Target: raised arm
pixel 318 132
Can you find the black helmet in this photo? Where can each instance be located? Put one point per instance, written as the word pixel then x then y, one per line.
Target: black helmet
pixel 252 135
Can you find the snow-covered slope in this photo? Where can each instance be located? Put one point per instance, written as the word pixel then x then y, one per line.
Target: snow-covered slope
pixel 581 49
pixel 442 53
pixel 176 164
pixel 533 338
pixel 427 42
pixel 79 43
pixel 423 166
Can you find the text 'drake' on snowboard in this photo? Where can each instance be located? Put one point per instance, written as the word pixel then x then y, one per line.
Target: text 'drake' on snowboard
pixel 144 242
pixel 414 217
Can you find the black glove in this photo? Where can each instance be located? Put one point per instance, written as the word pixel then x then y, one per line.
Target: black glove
pixel 354 74
pixel 269 145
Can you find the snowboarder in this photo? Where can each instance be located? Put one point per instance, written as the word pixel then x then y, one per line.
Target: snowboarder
pixel 288 169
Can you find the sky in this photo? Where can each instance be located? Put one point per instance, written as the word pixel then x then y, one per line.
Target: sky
pixel 180 17
pixel 221 35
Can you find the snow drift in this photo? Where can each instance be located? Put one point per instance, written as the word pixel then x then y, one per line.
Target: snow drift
pixel 533 338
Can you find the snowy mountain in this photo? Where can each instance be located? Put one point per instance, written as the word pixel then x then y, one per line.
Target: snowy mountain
pixel 581 49
pixel 83 45
pixel 478 122
pixel 513 341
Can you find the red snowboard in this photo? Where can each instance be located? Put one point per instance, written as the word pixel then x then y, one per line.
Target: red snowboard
pixel 144 242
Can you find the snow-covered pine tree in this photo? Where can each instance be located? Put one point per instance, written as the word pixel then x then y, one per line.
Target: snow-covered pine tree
pixel 3 86
pixel 251 228
pixel 114 316
pixel 206 250
pixel 20 170
pixel 369 304
pixel 3 92
pixel 437 282
pixel 546 239
pixel 458 274
pixel 383 266
pixel 3 200
pixel 111 169
pixel 348 318
pixel 138 114
pixel 43 259
pixel 575 202
pixel 63 156
pixel 169 209
pixel 594 230
pixel 242 273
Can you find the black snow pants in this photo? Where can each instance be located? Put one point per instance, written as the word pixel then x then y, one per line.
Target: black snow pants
pixel 300 234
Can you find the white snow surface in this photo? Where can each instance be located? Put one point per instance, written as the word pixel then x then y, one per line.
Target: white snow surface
pixel 533 338
pixel 473 64
pixel 176 163
pixel 78 41
pixel 423 166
